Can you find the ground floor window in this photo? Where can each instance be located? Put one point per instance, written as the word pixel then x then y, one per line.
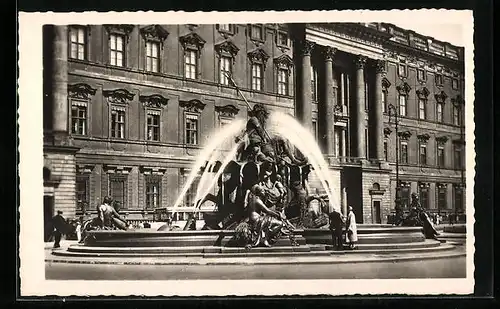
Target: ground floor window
pixel 117 190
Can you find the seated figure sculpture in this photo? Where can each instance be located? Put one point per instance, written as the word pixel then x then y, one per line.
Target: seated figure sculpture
pixel 109 217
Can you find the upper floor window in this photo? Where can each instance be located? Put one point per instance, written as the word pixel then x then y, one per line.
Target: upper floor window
pixel 439 79
pixel 257 32
pixel 404 152
pixel 191 129
pixel 282 39
pixel 422 112
pixel 440 156
pixel 384 100
pixel 402 70
pixel 421 76
pixel 228 28
pixel 190 64
pixel 116 50
pixel 152 56
pixel 402 105
pixel 456 115
pixel 439 112
pixel 314 83
pixel 118 123
pixel 79 117
pixel 257 76
pixel 153 125
pixel 423 154
pixel 78 43
pixel 282 81
pixel 225 64
pixel 454 83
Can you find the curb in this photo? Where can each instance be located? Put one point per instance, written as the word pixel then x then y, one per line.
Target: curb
pixel 283 262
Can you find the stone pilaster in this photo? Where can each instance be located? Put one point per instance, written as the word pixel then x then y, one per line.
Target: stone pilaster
pixel 330 99
pixel 59 87
pixel 304 109
pixel 378 123
pixel 359 146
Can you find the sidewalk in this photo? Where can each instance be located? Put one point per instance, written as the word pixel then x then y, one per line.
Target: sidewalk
pixel 64 244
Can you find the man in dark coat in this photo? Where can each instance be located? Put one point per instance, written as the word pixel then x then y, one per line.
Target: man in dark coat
pixel 336 228
pixel 60 226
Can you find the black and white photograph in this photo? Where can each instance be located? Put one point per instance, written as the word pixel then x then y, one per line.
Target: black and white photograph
pixel 246 153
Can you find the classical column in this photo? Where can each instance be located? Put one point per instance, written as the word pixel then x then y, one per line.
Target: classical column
pixel 330 99
pixel 304 109
pixel 60 81
pixel 378 127
pixel 360 62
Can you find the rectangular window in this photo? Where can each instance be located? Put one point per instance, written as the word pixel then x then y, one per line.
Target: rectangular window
pixel 282 39
pixel 282 81
pixel 402 70
pixel 457 160
pixel 256 32
pixel 454 83
pixel 118 124
pixel 421 75
pixel 456 116
pixel 190 64
pixel 117 189
pixel 405 196
pixel 82 191
pixel 153 126
pixel 78 43
pixel 225 28
pixel 422 113
pixel 441 197
pixel 423 154
pixel 402 105
pixel 191 130
pixel 424 197
pixel 79 118
pixel 440 156
pixel 152 192
pixel 384 100
pixel 439 112
pixel 152 56
pixel 257 77
pixel 404 153
pixel 315 129
pixel 225 68
pixel 459 201
pixel 385 151
pixel 314 83
pixel 439 79
pixel 191 193
pixel 116 50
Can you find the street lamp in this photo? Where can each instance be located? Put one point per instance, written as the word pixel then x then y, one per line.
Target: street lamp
pixel 393 112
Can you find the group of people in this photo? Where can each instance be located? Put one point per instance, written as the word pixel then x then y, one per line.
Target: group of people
pixel 337 223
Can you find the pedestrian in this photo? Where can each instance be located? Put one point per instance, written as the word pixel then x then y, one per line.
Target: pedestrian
pixel 352 231
pixel 60 228
pixel 78 231
pixel 336 228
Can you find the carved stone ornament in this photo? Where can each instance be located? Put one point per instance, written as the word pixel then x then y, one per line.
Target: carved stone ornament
pixel 195 106
pixel 424 185
pixel 306 48
pixel 405 135
pixel 154 32
pixel 228 47
pixel 193 40
pixel 441 97
pixel 80 91
pixel 458 100
pixel 227 110
pixel 360 62
pixel 118 96
pixel 284 61
pixel 386 83
pixel 387 132
pixel 423 137
pixel 154 100
pixel 329 53
pixel 441 139
pixel 380 66
pixel 258 55
pixel 404 88
pixel 423 93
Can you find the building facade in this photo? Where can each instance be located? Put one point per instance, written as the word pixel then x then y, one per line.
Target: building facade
pixel 127 109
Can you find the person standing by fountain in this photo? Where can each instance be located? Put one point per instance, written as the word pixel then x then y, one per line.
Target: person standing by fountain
pixel 352 230
pixel 60 228
pixel 337 222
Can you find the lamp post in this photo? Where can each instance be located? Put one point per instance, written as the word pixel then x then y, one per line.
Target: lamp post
pixel 393 112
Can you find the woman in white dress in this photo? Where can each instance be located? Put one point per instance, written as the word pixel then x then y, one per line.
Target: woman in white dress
pixel 352 231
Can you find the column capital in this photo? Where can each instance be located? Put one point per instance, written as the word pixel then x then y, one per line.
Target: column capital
pixel 307 47
pixel 380 66
pixel 360 61
pixel 329 53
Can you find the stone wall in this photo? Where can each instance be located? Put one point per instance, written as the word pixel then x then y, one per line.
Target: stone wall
pixel 63 167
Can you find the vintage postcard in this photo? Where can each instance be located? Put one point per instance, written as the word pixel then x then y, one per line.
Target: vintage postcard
pixel 246 153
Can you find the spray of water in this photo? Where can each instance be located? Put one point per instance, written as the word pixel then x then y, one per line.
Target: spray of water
pixel 215 142
pixel 288 127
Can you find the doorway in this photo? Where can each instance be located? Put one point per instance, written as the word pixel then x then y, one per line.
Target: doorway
pixel 48 211
pixel 376 212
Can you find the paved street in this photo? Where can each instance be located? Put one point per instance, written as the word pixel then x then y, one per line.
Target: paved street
pixel 440 268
